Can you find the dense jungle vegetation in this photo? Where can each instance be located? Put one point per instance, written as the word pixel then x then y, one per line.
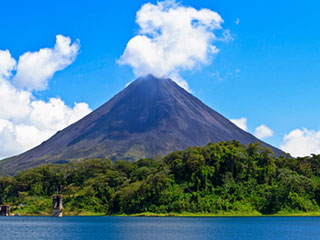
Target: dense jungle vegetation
pixel 225 177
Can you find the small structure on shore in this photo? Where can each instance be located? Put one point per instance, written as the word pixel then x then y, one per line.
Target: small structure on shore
pixel 57 202
pixel 4 210
pixel 57 205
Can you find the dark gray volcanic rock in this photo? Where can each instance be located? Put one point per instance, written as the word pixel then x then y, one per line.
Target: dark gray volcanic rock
pixel 150 117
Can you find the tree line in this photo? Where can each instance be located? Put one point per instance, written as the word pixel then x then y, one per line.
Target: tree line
pixel 217 178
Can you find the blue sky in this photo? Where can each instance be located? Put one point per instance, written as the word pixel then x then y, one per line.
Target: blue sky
pixel 268 74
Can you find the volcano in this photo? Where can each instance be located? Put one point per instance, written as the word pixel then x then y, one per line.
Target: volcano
pixel 150 117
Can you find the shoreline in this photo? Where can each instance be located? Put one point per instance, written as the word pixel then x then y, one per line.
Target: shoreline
pixel 298 214
pixel 149 214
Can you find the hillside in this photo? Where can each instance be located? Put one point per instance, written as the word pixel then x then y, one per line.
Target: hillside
pixel 149 117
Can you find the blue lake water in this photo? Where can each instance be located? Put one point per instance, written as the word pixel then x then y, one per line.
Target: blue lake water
pixel 167 228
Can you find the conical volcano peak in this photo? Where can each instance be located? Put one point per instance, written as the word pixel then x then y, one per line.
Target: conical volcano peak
pixel 150 83
pixel 150 87
pixel 151 77
pixel 151 116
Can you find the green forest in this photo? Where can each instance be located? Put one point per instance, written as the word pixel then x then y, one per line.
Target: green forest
pixel 219 178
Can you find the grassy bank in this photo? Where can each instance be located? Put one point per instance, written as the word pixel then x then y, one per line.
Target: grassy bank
pixel 222 214
pixel 173 214
pixel 85 213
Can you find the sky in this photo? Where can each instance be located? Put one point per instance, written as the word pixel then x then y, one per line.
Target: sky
pixel 255 62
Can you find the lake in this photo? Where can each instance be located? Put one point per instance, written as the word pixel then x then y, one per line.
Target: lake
pixel 167 228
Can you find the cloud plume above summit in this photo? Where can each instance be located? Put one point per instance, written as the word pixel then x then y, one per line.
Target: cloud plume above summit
pixel 172 38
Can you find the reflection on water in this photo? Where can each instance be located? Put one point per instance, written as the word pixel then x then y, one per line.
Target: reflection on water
pixel 167 228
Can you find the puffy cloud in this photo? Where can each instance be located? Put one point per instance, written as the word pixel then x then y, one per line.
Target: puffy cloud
pixel 241 123
pixel 36 68
pixel 25 121
pixel 8 139
pixel 7 64
pixel 38 119
pixel 43 121
pixel 263 131
pixel 14 103
pixel 179 80
pixel 54 114
pixel 172 38
pixel 23 133
pixel 237 21
pixel 301 142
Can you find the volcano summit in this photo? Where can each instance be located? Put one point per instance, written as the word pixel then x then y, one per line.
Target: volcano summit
pixel 150 117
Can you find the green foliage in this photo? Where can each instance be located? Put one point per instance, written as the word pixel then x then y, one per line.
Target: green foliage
pixel 225 177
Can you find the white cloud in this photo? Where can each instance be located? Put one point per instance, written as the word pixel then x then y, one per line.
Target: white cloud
pixel 237 21
pixel 226 36
pixel 172 38
pixel 25 121
pixel 23 133
pixel 301 142
pixel 8 139
pixel 263 131
pixel 54 114
pixel 36 68
pixel 43 121
pixel 14 103
pixel 179 80
pixel 241 123
pixel 7 64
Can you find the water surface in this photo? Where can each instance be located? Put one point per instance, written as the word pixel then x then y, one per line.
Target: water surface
pixel 167 228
